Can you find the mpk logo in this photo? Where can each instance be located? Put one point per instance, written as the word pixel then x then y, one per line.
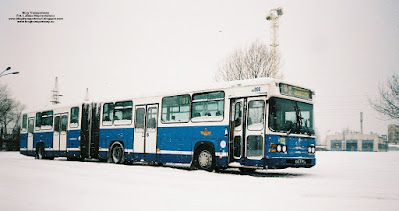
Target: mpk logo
pixel 205 132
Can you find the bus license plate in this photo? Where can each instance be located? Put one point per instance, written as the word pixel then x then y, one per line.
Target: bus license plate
pixel 300 161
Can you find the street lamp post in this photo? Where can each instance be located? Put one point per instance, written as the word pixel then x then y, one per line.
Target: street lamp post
pixel 7 69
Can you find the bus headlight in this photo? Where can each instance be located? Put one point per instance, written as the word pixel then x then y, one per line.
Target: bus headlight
pixel 309 149
pixel 284 148
pixel 279 148
pixel 313 150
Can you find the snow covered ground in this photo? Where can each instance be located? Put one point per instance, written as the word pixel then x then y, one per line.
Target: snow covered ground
pixel 339 181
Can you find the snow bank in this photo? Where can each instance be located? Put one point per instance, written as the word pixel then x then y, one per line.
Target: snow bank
pixel 339 181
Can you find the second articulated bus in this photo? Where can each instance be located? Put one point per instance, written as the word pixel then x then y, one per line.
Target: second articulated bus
pixel 253 124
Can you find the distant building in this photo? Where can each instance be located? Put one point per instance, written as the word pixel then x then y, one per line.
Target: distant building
pixel 356 142
pixel 393 133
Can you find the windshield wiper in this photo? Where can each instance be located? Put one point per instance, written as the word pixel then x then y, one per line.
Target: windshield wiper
pixel 289 129
pixel 298 117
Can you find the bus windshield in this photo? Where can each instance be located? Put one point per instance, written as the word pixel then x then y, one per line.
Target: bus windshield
pixel 290 116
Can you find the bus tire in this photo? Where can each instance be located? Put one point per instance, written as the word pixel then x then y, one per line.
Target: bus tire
pixel 39 152
pixel 117 154
pixel 205 159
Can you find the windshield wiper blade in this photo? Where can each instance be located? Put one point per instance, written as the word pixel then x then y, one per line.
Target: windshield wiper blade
pixel 298 117
pixel 308 130
pixel 289 130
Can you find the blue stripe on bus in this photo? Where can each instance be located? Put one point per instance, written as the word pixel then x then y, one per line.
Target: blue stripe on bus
pixel 23 141
pixel 259 163
pixel 73 138
pixel 124 135
pixel 45 137
pixel 185 138
pixel 168 138
pixel 73 154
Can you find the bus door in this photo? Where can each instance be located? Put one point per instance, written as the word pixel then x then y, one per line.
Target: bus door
pixel 236 140
pixel 145 135
pixel 248 129
pixel 255 128
pixel 60 132
pixel 30 134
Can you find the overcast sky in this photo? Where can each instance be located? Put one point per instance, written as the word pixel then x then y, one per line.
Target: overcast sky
pixel 341 49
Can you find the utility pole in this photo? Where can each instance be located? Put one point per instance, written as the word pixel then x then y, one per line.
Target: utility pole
pixel 361 122
pixel 343 141
pixel 87 95
pixel 56 93
pixel 273 16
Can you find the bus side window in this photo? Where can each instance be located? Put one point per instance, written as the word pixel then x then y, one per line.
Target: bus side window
pixel 64 123
pixel 256 114
pixel 47 120
pixel 152 118
pixel 108 113
pixel 74 121
pixel 57 124
pixel 38 123
pixel 139 120
pixel 30 125
pixel 24 122
pixel 176 109
pixel 237 116
pixel 208 106
pixel 123 113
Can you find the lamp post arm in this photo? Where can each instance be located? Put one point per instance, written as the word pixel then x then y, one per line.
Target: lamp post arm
pixel 2 72
pixel 7 69
pixel 13 73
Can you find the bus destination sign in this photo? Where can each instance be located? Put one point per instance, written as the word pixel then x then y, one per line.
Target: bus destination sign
pixel 295 91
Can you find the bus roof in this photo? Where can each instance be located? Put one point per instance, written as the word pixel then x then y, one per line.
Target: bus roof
pixel 199 88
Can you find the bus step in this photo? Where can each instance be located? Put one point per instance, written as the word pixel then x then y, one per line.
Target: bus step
pixel 235 164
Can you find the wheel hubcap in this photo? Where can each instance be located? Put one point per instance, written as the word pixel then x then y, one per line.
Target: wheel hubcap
pixel 205 159
pixel 117 154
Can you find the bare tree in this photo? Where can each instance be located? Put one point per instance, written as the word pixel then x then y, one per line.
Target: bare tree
pixel 388 102
pixel 254 61
pixel 10 109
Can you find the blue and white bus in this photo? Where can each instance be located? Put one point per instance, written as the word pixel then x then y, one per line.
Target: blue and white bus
pixel 252 124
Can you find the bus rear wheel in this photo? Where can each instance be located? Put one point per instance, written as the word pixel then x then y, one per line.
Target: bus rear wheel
pixel 205 159
pixel 117 153
pixel 39 152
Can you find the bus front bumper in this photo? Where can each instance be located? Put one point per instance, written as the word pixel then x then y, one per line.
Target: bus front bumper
pixel 296 162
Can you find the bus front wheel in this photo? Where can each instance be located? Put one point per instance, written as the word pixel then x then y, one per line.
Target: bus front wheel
pixel 205 159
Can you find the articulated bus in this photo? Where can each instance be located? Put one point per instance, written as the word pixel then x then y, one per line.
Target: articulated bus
pixel 252 124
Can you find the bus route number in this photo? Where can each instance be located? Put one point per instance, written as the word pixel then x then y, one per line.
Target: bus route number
pixel 256 89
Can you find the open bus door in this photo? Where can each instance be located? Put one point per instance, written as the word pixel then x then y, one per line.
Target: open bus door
pixel 247 120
